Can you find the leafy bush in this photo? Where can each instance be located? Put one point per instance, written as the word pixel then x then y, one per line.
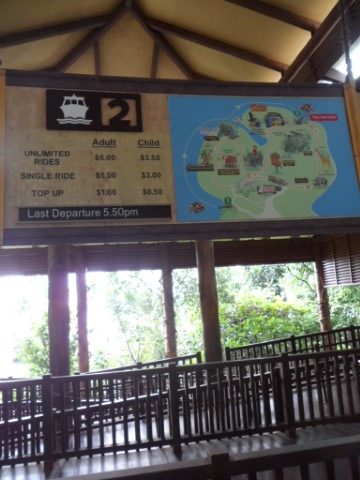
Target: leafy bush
pixel 34 350
pixel 254 319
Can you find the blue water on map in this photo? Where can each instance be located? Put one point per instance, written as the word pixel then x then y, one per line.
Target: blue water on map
pixel 191 115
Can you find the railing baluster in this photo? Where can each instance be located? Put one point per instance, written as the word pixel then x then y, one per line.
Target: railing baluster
pixel 125 410
pixel 148 409
pixel 200 402
pixel 287 395
pixel 347 359
pixel 339 391
pixel 328 384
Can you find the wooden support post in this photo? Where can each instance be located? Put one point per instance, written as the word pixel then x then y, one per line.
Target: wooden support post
pixel 208 300
pixel 59 315
pixel 293 344
pixel 322 295
pixel 220 464
pixel 169 310
pixel 287 396
pixel 81 293
pixel 2 150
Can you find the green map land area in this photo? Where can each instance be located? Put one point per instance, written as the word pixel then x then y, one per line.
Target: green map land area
pixel 265 163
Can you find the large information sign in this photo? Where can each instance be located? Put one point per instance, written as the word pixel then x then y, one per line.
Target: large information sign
pixel 86 158
pixel 99 160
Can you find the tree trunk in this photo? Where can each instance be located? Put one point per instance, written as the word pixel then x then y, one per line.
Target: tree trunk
pixel 169 311
pixel 322 295
pixel 81 293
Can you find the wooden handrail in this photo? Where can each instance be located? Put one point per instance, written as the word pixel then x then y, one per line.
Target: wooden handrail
pixel 294 344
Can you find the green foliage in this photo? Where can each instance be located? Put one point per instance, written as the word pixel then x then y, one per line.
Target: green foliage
pixel 255 304
pixel 345 306
pixel 137 308
pixel 257 319
pixel 187 308
pixel 268 278
pixel 34 350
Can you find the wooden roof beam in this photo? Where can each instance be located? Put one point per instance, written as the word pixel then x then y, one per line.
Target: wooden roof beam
pixel 278 13
pixel 155 60
pixel 18 38
pixel 325 47
pixel 90 39
pixel 208 42
pixel 161 41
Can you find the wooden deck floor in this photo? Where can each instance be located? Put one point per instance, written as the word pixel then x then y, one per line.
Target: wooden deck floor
pixel 157 456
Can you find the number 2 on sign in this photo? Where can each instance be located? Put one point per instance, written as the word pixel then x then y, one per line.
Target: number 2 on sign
pixel 118 112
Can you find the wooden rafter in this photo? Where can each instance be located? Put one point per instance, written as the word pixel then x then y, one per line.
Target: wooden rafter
pixel 18 38
pixel 324 48
pixel 208 42
pixel 97 58
pixel 160 40
pixel 155 60
pixel 90 39
pixel 277 13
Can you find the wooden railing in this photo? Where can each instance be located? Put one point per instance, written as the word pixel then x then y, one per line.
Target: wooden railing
pixel 59 417
pixel 181 360
pixel 339 339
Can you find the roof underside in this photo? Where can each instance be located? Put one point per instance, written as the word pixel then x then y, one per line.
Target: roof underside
pixel 224 40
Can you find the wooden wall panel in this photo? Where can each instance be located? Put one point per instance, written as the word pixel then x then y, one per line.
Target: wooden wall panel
pixel 341 260
pixel 136 256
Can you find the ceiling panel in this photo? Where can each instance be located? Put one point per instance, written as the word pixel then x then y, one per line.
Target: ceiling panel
pixel 39 55
pixel 311 9
pixel 218 66
pixel 126 50
pixel 25 14
pixel 232 24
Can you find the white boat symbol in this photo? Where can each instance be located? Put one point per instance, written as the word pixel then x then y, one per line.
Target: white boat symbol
pixel 74 109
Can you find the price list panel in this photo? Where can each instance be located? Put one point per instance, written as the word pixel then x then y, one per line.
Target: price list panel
pixel 95 171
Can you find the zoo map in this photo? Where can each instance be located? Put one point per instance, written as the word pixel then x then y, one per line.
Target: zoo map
pixel 261 158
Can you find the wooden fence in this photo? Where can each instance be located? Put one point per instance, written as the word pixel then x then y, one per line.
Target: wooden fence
pixel 183 360
pixel 339 339
pixel 59 417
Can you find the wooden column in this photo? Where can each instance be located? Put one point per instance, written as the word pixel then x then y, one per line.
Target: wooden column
pixel 322 295
pixel 59 315
pixel 81 294
pixel 169 311
pixel 208 300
